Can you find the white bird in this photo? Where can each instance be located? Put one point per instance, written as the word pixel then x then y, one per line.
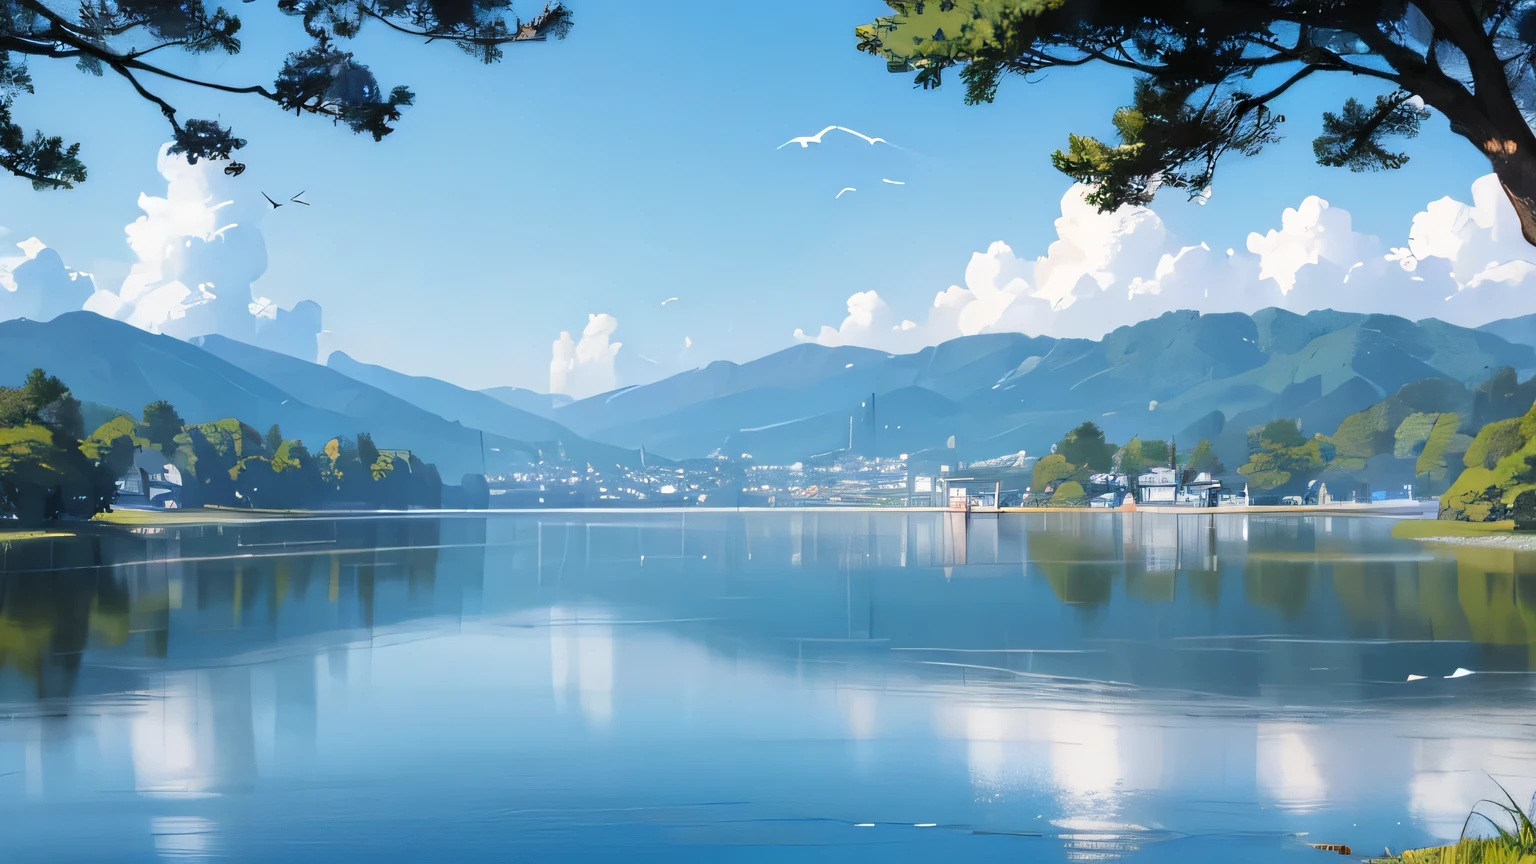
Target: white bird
pixel 893 182
pixel 808 140
pixel 668 300
pixel 841 191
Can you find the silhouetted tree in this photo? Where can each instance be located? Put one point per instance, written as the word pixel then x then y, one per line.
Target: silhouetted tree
pixel 125 38
pixel 273 439
pixel 161 426
pixel 1209 72
pixel 1085 447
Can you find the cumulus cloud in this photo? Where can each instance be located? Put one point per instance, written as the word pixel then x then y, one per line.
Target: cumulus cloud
pixel 1463 263
pixel 199 249
pixel 37 285
pixel 585 368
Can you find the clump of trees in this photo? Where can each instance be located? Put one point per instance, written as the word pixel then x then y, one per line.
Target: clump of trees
pixel 50 469
pixel 227 463
pixel 1499 477
pixel 1064 477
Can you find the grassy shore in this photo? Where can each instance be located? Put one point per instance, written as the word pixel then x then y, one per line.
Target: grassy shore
pixel 1496 535
pixel 1494 851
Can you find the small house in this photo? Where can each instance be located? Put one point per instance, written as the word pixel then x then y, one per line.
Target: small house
pixel 1157 486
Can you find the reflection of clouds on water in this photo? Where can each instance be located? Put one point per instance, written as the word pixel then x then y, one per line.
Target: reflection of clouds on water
pixel 1450 774
pixel 1085 752
pixel 1289 773
pixel 581 654
pixel 861 709
pixel 184 838
pixel 171 749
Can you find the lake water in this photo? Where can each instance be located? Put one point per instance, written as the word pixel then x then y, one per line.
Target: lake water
pixel 818 686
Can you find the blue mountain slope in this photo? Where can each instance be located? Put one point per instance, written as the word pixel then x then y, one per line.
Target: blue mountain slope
pixel 392 421
pixel 475 409
pixel 1010 392
pixel 118 365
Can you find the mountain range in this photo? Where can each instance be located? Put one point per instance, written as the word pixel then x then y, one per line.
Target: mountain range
pixel 983 395
pixel 1182 374
pixel 117 365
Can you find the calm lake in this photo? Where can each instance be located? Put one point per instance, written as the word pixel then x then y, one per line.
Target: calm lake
pixel 765 686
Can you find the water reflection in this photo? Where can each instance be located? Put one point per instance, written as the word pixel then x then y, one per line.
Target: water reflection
pixel 1076 685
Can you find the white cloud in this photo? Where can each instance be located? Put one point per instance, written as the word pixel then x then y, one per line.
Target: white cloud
pixel 1466 264
pixel 199 249
pixel 585 368
pixel 37 285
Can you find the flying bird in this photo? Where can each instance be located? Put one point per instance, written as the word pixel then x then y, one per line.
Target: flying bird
pixel 295 199
pixel 274 204
pixel 893 182
pixel 668 300
pixel 808 140
pixel 841 191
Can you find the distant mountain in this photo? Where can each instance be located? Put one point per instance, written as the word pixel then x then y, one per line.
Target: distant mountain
pixel 113 365
pixel 472 408
pixel 1521 331
pixel 373 409
pixel 542 404
pixel 999 393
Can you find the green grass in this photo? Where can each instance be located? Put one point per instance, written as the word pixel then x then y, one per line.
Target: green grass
pixel 1514 841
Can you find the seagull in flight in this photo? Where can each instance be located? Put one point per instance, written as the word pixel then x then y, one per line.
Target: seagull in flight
pixel 668 300
pixel 295 199
pixel 893 182
pixel 274 204
pixel 808 140
pixel 842 190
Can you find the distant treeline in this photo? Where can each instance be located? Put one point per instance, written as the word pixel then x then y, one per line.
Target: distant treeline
pixel 1475 446
pixel 1063 478
pixel 49 468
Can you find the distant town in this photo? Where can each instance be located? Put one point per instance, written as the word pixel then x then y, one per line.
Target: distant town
pixel 852 480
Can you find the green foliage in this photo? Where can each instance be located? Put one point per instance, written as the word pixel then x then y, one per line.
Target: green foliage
pixel 1156 453
pixel 273 439
pixel 1495 442
pixel 1208 80
pixel 1353 138
pixel 43 475
pixel 1132 460
pixel 209 457
pixel 161 426
pixel 1283 456
pixel 1442 437
pixel 1085 447
pixel 1069 493
pixel 126 38
pixel 1203 460
pixel 112 446
pixel 1486 492
pixel 1412 434
pixel 1050 469
pixel 42 399
pixel 1280 433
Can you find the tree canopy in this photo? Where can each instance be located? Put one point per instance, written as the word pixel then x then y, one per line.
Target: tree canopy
pixel 1210 73
pixel 126 38
pixel 1085 447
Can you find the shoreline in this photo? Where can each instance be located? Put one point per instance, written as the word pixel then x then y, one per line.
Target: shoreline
pixel 132 518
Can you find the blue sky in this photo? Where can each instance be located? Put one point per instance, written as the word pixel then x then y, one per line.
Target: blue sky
pixel 636 161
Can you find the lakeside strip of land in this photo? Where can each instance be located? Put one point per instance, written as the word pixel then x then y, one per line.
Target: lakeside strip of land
pixel 224 515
